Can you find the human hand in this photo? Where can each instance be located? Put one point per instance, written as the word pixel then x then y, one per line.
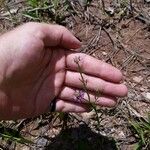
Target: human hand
pixel 37 66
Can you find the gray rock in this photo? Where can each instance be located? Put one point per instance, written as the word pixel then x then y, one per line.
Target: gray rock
pixel 146 95
pixel 137 79
pixel 42 142
pixel 83 2
pixel 147 1
pixel 110 11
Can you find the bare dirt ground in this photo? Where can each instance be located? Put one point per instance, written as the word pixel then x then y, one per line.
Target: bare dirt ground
pixel 119 36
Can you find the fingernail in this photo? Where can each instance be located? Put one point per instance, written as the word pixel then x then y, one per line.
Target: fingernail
pixel 78 38
pixel 77 43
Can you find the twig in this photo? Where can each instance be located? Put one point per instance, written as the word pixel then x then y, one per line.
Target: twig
pixel 103 5
pixel 131 6
pixel 113 43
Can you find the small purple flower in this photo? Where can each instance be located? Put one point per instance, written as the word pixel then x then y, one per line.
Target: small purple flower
pixel 79 95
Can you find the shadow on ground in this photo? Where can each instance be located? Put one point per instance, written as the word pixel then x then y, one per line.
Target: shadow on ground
pixel 81 138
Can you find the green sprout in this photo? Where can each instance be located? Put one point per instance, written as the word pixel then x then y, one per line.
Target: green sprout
pixel 142 130
pixel 13 135
pixel 55 10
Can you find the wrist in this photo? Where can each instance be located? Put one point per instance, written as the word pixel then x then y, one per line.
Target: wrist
pixel 4 103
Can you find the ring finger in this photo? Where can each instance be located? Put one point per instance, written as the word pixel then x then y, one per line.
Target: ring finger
pixel 79 96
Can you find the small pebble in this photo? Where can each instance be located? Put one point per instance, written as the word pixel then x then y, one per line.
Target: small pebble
pixel 104 53
pixel 146 95
pixel 42 142
pixel 137 79
pixel 110 11
pixel 147 1
pixel 121 135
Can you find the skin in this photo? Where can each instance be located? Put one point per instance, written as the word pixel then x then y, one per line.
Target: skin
pixel 37 65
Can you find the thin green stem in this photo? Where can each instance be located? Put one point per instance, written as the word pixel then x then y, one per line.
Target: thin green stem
pixel 84 82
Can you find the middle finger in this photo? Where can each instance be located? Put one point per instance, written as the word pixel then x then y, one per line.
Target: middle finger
pixel 73 79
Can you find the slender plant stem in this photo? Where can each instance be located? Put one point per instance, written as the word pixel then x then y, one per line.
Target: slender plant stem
pixel 84 82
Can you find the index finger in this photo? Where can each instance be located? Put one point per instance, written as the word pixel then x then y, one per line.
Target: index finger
pixel 92 66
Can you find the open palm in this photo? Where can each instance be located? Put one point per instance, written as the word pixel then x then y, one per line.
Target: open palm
pixel 39 66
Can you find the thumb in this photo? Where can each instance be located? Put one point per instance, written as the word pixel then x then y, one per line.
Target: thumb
pixel 55 35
